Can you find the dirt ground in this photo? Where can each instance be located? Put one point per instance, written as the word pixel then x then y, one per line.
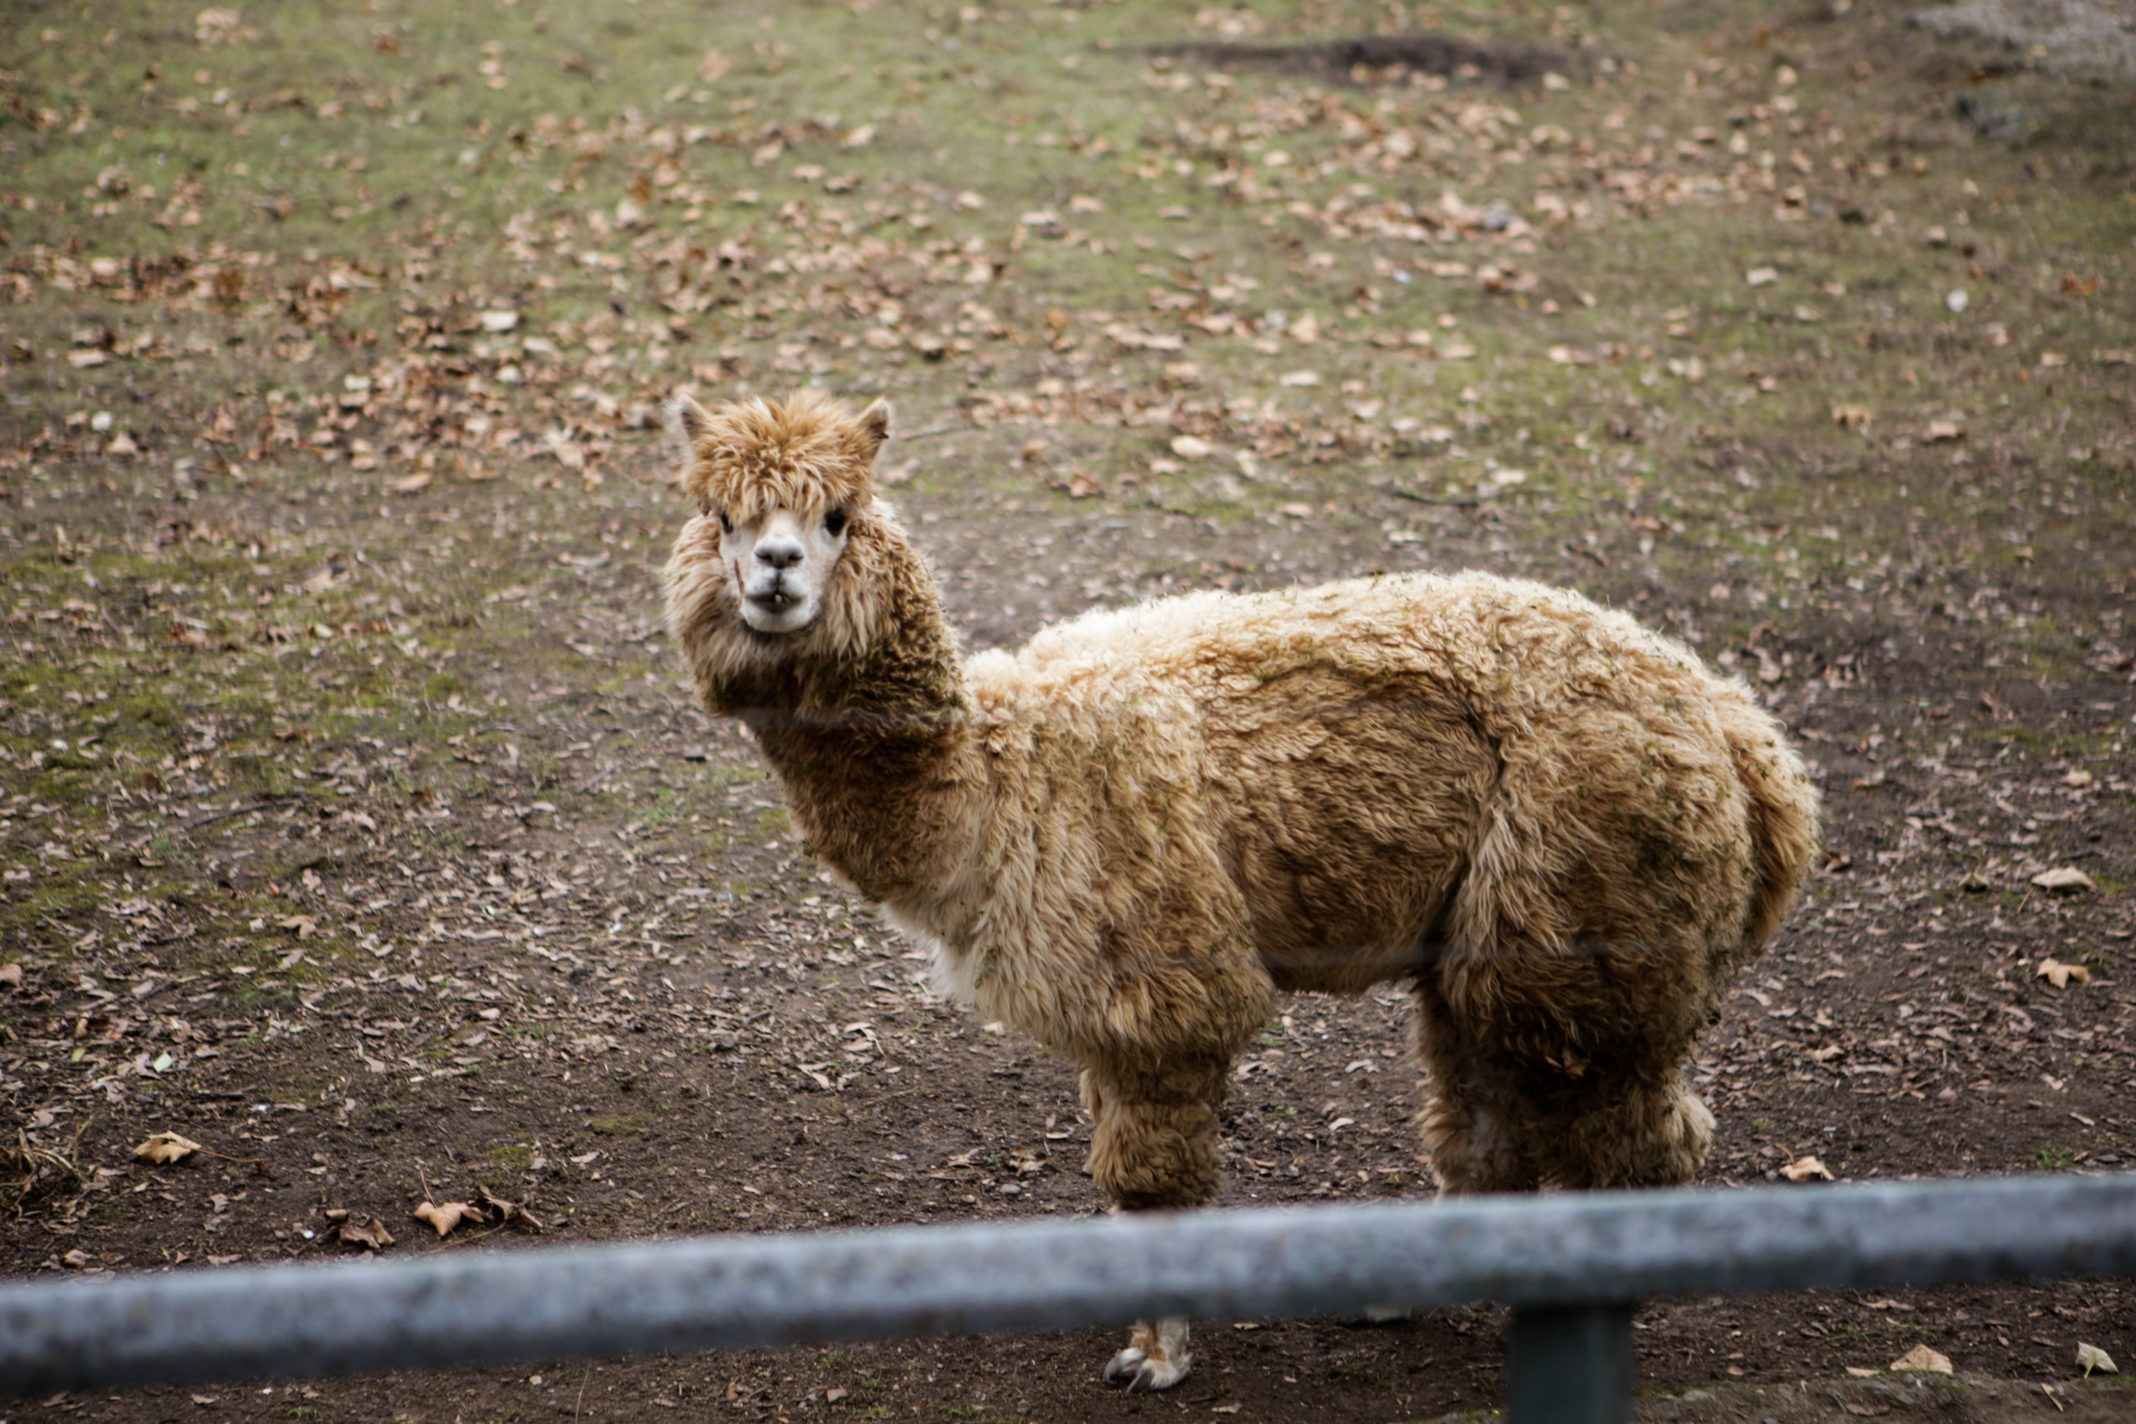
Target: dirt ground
pixel 358 827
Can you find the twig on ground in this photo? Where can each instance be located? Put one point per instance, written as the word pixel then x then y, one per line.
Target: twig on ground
pixel 198 821
pixel 1427 499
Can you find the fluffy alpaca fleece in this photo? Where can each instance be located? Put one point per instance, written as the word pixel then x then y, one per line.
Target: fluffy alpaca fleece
pixel 1127 836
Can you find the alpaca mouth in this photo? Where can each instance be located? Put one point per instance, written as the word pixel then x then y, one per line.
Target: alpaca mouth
pixel 777 609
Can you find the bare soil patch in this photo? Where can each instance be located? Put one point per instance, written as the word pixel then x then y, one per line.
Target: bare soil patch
pixel 1365 59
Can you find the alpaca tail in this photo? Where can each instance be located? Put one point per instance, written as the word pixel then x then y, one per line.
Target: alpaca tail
pixel 1783 808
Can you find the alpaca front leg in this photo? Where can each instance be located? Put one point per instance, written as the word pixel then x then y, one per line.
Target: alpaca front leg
pixel 1156 1357
pixel 1154 1148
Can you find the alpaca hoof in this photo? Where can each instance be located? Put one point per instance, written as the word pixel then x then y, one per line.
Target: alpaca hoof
pixel 1144 1375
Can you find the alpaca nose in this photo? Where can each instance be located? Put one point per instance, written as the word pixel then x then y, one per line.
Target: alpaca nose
pixel 779 554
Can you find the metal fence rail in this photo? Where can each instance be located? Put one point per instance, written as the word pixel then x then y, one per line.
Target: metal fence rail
pixel 1571 1266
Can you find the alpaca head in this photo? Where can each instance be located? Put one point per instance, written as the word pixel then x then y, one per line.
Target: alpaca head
pixel 782 489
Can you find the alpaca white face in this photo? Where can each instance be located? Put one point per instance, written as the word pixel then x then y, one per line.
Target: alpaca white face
pixel 780 565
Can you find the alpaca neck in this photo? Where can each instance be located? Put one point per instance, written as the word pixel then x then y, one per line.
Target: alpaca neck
pixel 876 753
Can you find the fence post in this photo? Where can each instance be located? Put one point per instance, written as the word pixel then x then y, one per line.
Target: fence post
pixel 1569 1364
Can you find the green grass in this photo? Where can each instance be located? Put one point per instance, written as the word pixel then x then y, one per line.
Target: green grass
pixel 1032 116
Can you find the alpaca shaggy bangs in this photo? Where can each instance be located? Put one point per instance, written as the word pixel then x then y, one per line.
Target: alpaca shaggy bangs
pixel 808 453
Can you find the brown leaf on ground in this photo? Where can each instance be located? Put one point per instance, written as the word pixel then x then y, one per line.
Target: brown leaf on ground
pixel 511 1213
pixel 1806 1169
pixel 442 1219
pixel 370 1234
pixel 1923 1360
pixel 2064 878
pixel 2055 972
pixel 167 1147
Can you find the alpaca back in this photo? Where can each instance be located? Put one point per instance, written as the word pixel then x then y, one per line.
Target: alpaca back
pixel 1400 766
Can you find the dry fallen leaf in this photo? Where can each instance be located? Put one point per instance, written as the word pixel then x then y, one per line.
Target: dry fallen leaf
pixel 1924 1360
pixel 2091 1357
pixel 1862 1372
pixel 11 974
pixel 511 1213
pixel 1806 1169
pixel 370 1234
pixel 2055 972
pixel 2064 877
pixel 1853 417
pixel 167 1147
pixel 443 1219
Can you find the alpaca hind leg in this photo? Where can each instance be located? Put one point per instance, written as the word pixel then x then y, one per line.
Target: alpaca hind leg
pixel 1475 1146
pixel 1470 1118
pixel 1652 1132
pixel 1154 1149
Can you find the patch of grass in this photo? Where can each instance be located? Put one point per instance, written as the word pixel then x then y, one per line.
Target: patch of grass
pixel 518 1156
pixel 2056 1158
pixel 620 1125
pixel 666 809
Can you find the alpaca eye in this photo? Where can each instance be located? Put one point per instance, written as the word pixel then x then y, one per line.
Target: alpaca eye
pixel 834 523
pixel 726 525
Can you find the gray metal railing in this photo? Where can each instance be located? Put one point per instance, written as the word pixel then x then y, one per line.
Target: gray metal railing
pixel 1571 1267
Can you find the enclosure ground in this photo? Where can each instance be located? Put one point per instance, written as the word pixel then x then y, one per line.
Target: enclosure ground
pixel 358 825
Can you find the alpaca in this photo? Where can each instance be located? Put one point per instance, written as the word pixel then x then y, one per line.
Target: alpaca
pixel 1127 836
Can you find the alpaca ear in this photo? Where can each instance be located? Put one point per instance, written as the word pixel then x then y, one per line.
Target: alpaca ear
pixel 875 425
pixel 687 420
